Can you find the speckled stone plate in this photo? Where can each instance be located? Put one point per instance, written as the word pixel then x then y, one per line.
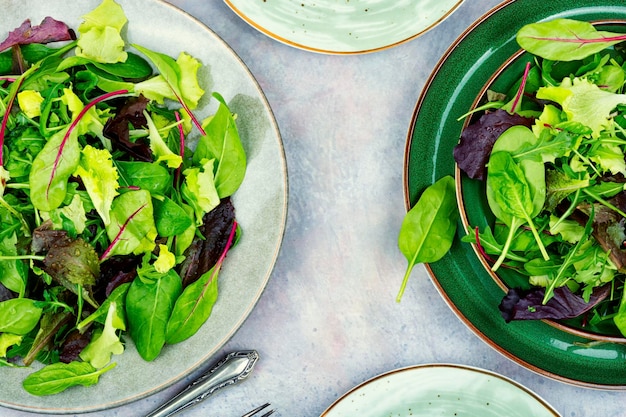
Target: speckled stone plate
pixel 440 390
pixel 343 26
pixel 260 204
pixel 488 49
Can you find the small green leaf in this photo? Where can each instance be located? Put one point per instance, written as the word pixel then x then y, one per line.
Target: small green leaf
pixel 428 229
pixel 19 315
pixel 57 377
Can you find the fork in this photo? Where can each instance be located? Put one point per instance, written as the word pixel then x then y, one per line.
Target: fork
pixel 258 409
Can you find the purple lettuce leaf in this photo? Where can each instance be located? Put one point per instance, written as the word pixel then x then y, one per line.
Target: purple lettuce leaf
pixel 520 304
pixel 50 30
pixel 477 139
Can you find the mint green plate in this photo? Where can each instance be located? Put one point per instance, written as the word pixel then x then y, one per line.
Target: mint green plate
pixel 459 79
pixel 343 26
pixel 445 390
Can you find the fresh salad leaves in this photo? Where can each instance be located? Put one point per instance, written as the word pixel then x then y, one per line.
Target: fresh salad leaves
pixel 550 152
pixel 111 228
pixel 562 176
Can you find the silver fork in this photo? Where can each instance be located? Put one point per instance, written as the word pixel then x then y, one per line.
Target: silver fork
pixel 258 409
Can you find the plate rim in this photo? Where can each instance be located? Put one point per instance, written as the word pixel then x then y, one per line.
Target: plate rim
pixel 468 322
pixel 310 47
pixel 440 366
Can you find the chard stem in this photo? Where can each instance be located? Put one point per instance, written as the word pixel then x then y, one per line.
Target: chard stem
pixel 22 257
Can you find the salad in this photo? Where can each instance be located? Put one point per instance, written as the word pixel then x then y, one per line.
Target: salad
pixel 549 153
pixel 111 227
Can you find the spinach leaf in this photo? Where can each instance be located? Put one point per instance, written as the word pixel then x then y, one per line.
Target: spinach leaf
pixel 170 218
pixel 428 229
pixel 145 175
pixel 510 199
pixel 149 304
pixel 19 315
pixel 223 144
pixel 195 304
pixel 57 377
pixel 193 307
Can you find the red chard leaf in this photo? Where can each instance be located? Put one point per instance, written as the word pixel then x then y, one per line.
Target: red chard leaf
pixel 50 30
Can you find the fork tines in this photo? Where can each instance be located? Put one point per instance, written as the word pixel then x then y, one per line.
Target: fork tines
pixel 260 408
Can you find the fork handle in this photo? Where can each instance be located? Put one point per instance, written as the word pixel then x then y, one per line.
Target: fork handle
pixel 236 366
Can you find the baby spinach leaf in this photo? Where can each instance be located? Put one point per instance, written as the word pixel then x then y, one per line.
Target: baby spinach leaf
pixel 195 304
pixel 223 144
pixel 428 229
pixel 511 199
pixel 171 219
pixel 193 307
pixel 57 377
pixel 146 175
pixel 19 315
pixel 149 304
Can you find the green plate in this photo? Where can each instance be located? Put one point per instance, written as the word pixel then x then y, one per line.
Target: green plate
pixel 453 88
pixel 340 26
pixel 448 390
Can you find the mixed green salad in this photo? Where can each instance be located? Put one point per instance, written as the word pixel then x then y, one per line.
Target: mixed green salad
pixel 111 228
pixel 550 155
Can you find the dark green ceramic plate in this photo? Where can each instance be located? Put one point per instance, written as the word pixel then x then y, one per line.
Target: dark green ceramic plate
pixel 454 87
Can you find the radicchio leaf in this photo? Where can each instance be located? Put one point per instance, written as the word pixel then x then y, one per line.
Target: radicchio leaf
pixel 477 139
pixel 204 253
pixel 50 30
pixel 527 305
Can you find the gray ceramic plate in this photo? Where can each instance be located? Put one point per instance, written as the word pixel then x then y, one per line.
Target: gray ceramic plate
pixel 343 26
pixel 440 390
pixel 260 203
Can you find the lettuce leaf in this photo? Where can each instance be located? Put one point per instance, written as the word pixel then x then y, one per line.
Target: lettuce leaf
pixel 100 34
pixel 584 102
pixel 99 176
